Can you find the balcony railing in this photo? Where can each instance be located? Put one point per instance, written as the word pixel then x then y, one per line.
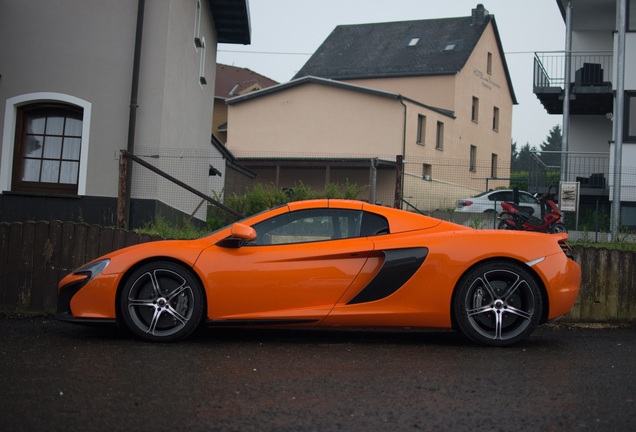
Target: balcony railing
pixel 590 78
pixel 590 169
pixel 587 68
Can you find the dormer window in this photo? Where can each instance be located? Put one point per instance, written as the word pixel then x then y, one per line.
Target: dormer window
pixel 414 41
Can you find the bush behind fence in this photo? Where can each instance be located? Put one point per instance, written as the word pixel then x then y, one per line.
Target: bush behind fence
pixel 34 256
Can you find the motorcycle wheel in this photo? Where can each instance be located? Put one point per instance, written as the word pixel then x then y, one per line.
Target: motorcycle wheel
pixel 558 228
pixel 504 226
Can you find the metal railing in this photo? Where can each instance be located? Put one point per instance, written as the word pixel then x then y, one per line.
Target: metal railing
pixel 590 169
pixel 587 68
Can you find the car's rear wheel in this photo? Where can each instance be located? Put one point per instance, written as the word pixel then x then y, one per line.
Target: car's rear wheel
pixel 498 304
pixel 162 302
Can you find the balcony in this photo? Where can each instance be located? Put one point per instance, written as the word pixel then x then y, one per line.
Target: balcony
pixel 590 85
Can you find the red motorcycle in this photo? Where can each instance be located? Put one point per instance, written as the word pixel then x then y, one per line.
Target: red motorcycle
pixel 517 217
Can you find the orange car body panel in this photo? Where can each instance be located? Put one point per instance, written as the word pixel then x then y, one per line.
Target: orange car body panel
pixel 316 282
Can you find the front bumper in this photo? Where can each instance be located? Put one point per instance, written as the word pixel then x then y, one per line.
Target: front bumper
pixel 85 300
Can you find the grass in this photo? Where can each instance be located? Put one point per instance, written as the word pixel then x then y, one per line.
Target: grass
pixel 164 229
pixel 618 245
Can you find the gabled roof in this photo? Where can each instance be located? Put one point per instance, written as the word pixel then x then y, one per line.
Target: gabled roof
pixel 233 81
pixel 232 21
pixel 401 49
pixel 332 83
pixel 406 48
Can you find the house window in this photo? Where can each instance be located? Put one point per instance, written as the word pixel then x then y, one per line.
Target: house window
pixel 489 64
pixel 493 165
pixel 421 129
pixel 202 79
pixel 473 158
pixel 630 116
pixel 48 147
pixel 439 141
pixel 631 15
pixel 475 110
pixel 427 171
pixel 197 25
pixel 495 119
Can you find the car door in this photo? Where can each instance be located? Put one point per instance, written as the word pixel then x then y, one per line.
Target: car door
pixel 299 266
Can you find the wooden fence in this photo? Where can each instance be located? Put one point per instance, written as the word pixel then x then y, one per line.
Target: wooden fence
pixel 34 256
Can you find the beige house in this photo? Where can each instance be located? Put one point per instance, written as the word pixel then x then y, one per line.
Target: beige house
pixel 435 92
pixel 232 81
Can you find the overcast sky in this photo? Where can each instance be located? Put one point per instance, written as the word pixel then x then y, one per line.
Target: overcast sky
pixel 286 32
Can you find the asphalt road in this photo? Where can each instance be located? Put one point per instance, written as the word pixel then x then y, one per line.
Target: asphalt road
pixel 56 376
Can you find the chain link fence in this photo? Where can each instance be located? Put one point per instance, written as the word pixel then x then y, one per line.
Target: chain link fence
pixel 430 186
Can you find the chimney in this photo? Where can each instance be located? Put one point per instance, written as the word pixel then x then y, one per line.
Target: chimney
pixel 479 15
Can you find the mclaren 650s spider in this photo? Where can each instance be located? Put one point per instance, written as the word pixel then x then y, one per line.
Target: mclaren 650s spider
pixel 331 264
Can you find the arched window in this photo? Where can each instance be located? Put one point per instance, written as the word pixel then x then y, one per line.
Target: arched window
pixel 47 148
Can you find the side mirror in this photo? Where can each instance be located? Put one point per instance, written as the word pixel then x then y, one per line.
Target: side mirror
pixel 239 235
pixel 243 232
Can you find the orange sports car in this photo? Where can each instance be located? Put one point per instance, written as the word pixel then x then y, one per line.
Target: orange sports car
pixel 331 263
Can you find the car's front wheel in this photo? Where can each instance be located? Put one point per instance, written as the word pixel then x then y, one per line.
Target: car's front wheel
pixel 498 304
pixel 162 302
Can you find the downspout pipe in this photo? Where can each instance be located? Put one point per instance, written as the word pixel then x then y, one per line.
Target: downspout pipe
pixel 134 92
pixel 373 180
pixel 399 195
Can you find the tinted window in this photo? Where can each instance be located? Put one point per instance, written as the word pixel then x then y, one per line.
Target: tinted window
pixel 309 226
pixel 373 224
pixel 528 199
pixel 501 196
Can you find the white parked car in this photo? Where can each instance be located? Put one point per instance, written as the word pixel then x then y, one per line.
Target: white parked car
pixel 491 202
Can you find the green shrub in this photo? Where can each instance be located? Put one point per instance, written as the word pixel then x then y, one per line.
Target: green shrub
pixel 519 179
pixel 263 197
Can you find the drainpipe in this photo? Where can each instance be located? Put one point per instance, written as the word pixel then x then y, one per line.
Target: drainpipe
pixel 618 119
pixel 373 180
pixel 400 177
pixel 565 144
pixel 132 120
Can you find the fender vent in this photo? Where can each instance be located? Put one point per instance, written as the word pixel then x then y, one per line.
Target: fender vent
pixel 567 250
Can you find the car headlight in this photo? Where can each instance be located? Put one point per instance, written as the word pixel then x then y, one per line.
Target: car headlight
pixel 93 269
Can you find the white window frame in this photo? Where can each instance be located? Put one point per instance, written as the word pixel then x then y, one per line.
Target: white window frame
pixel 8 134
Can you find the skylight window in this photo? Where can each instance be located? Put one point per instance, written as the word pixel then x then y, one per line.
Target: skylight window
pixel 414 41
pixel 450 47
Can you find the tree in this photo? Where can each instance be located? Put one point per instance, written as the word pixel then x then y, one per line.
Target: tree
pixel 522 160
pixel 553 144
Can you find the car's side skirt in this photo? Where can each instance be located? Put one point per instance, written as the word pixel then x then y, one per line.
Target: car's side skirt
pixel 258 322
